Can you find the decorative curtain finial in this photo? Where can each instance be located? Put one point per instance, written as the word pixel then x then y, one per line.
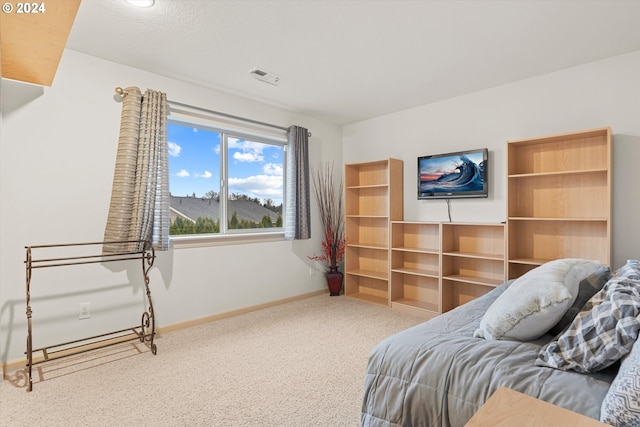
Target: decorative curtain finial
pixel 121 92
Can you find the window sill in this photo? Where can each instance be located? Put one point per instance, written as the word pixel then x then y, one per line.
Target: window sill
pixel 198 241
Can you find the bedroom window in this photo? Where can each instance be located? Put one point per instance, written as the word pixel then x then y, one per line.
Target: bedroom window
pixel 226 183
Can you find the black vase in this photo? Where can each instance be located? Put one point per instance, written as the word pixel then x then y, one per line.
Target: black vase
pixel 334 281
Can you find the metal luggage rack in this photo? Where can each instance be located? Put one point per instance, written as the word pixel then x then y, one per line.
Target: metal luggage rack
pixel 117 251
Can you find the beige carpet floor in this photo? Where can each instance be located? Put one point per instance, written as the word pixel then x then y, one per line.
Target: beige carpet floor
pixel 297 364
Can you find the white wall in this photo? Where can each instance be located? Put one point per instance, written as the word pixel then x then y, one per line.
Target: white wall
pixel 57 158
pixel 600 94
pixel 58 151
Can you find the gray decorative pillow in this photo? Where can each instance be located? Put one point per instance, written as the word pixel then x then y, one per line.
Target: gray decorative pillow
pixel 621 405
pixel 587 288
pixel 604 331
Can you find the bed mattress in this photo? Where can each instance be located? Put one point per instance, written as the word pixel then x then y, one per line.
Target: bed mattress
pixel 438 374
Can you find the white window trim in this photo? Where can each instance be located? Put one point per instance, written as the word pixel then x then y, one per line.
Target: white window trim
pixel 184 115
pixel 206 240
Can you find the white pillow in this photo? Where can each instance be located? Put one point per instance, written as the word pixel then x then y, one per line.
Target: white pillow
pixel 535 301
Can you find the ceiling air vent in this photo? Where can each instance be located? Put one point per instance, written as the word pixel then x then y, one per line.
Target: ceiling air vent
pixel 265 76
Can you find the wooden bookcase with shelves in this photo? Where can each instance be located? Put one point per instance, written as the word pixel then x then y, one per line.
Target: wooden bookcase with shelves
pixel 473 261
pixel 415 266
pixel 436 267
pixel 559 199
pixel 373 198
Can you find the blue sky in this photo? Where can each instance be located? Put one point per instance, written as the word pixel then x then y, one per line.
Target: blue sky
pixel 255 169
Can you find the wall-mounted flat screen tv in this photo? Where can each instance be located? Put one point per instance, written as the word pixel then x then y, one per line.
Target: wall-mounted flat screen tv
pixel 458 175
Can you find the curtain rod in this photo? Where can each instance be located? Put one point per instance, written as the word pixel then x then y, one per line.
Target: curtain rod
pixel 123 92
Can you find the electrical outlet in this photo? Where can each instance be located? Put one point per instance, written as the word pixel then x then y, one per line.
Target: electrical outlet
pixel 84 310
pixel 312 271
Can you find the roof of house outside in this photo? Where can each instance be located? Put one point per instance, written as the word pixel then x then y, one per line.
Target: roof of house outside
pixel 194 207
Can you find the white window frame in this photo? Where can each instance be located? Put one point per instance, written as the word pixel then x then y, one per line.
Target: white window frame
pixel 229 127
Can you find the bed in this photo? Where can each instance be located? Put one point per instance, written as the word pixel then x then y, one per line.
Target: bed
pixel 439 374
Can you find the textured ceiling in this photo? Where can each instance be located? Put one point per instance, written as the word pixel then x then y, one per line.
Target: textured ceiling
pixel 345 61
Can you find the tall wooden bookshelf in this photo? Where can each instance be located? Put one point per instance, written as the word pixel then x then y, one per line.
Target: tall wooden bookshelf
pixel 373 198
pixel 559 199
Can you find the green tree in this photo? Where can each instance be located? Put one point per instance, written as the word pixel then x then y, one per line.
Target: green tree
pixel 206 225
pixel 234 223
pixel 182 226
pixel 201 226
pixel 266 222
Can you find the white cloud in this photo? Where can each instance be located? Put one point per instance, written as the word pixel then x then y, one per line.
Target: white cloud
pixel 250 151
pixel 182 174
pixel 174 149
pixel 262 186
pixel 248 156
pixel 272 169
pixel 205 175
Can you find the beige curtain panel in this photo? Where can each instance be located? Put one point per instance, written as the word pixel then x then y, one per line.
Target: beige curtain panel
pixel 139 208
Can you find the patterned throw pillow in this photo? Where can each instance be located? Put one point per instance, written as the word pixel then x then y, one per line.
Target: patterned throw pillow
pixel 631 270
pixel 621 405
pixel 604 331
pixel 588 288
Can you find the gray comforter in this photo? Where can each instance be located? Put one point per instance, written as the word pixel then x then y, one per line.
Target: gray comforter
pixel 437 374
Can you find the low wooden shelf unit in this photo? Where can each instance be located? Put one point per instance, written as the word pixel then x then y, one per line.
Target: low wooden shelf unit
pixel 436 267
